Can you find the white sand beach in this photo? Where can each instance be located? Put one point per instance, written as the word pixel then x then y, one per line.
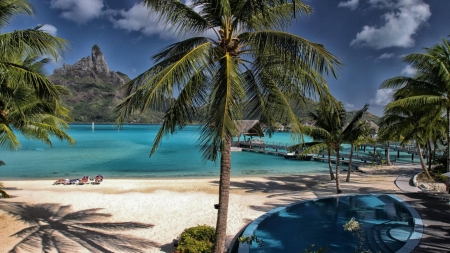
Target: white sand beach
pixel 169 205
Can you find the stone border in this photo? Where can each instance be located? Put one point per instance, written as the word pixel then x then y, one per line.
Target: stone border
pixel 412 242
pixel 416 236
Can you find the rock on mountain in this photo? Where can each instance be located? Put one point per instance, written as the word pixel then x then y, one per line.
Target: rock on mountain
pixel 94 89
pixel 93 66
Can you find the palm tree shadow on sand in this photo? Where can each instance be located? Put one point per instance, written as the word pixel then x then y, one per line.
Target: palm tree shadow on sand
pixel 54 227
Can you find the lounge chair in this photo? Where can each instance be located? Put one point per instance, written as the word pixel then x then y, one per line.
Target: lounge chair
pixel 84 180
pixel 72 181
pixel 60 181
pixel 98 179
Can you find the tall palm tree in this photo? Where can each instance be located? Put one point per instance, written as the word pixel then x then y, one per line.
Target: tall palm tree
pixel 239 59
pixel 431 84
pixel 337 131
pixel 361 135
pixel 413 124
pixel 326 120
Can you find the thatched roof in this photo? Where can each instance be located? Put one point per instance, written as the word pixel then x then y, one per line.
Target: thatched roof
pixel 373 125
pixel 250 128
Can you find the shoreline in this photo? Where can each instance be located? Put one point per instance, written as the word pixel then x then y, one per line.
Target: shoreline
pixel 168 206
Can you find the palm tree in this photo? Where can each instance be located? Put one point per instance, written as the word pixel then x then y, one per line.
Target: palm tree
pixel 336 132
pixel 355 141
pixel 238 60
pixel 326 120
pixel 34 117
pixel 29 103
pixel 413 124
pixel 431 84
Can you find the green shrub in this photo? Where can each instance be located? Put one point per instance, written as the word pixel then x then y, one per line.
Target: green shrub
pixel 199 239
pixel 440 178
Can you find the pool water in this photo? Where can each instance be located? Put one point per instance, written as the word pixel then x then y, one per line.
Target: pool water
pixel 386 222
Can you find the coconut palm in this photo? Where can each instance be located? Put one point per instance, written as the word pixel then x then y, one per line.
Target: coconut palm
pixel 331 129
pixel 29 102
pixel 431 84
pixel 326 120
pixel 355 141
pixel 35 117
pixel 27 98
pixel 237 58
pixel 412 124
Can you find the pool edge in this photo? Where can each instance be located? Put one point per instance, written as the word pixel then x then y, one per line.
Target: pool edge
pixel 410 245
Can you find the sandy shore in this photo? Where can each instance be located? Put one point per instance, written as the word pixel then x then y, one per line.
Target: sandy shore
pixel 150 214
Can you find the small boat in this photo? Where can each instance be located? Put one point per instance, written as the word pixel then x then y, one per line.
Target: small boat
pixel 297 156
pixel 291 155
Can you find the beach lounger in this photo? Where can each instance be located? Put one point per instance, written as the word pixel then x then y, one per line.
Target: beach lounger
pixel 84 180
pixel 72 181
pixel 98 179
pixel 59 181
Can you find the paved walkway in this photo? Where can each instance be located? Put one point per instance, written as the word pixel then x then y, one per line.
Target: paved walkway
pixel 435 217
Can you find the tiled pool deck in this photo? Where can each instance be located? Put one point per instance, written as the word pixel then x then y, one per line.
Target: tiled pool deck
pixel 435 218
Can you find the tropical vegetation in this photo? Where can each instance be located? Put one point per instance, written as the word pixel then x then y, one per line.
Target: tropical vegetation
pixel 331 130
pixel 237 62
pixel 426 95
pixel 199 239
pixel 29 103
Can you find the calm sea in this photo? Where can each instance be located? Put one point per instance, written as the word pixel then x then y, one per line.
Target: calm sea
pixel 125 154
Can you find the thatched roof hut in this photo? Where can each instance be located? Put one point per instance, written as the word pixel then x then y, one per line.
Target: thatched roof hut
pixel 373 126
pixel 250 128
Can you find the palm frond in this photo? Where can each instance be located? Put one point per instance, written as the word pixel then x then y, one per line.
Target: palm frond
pixel 12 8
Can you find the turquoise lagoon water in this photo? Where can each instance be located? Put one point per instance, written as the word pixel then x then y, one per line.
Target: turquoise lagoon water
pixel 125 154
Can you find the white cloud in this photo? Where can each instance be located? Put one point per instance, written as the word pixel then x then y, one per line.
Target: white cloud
pixel 138 19
pixel 386 56
pixel 382 98
pixel 352 4
pixel 49 29
pixel 408 70
pixel 401 23
pixel 349 106
pixel 79 11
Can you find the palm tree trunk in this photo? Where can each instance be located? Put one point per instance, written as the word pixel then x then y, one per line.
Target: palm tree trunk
pixel 448 139
pixel 429 154
pixel 422 162
pixel 224 194
pixel 329 165
pixel 338 183
pixel 388 157
pixel 349 164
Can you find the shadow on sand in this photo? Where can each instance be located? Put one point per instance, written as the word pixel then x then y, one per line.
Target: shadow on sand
pixel 53 227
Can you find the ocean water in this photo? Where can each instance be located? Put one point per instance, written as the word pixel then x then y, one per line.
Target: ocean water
pixel 125 154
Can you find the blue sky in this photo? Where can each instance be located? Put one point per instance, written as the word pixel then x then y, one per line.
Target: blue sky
pixel 368 36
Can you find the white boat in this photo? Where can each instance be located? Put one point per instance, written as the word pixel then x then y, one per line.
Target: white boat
pixel 295 155
pixel 236 149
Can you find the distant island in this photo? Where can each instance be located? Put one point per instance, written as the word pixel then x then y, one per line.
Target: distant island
pixel 95 92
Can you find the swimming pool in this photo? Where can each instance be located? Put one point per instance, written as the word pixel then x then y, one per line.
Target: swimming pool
pixel 389 224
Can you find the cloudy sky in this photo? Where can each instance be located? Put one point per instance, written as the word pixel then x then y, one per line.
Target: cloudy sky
pixel 368 36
